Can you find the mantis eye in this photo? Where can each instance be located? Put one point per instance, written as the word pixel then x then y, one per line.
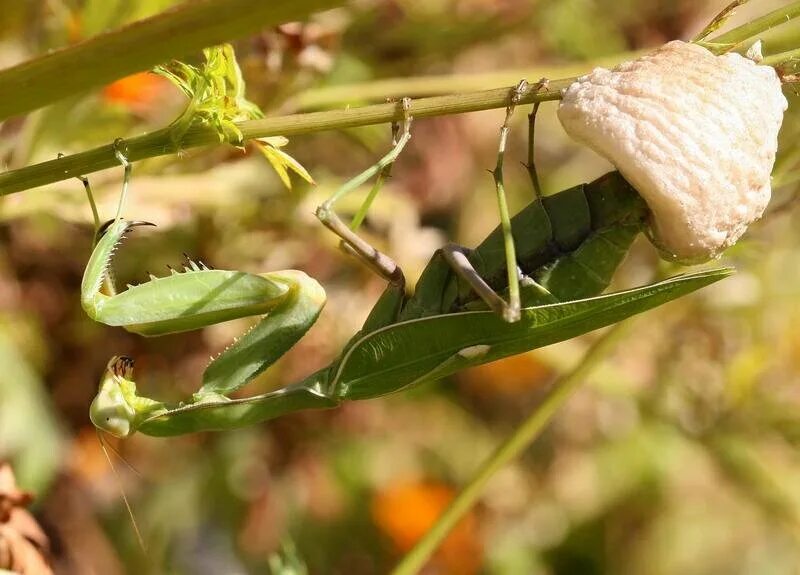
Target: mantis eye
pixel 110 410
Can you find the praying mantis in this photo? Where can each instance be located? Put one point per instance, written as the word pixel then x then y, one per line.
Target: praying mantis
pixel 534 281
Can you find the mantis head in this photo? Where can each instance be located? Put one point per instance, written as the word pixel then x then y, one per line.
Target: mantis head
pixel 111 410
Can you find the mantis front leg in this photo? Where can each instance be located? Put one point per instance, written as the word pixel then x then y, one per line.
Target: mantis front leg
pixel 290 302
pixel 197 297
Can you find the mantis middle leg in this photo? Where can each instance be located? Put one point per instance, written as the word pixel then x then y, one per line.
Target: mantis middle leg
pixel 379 262
pixel 456 256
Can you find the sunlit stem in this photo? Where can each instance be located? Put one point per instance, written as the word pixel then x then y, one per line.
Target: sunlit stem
pixel 759 25
pixel 782 58
pixel 511 449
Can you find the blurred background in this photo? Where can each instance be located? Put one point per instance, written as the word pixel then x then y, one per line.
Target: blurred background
pixel 679 456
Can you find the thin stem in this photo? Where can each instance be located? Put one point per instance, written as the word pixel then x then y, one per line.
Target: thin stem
pixel 719 20
pixel 759 25
pixel 782 58
pixel 174 33
pixel 509 450
pixel 161 143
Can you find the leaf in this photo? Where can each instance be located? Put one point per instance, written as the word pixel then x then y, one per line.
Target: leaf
pixel 270 154
pixel 280 160
pixel 719 20
pixel 412 352
pixel 216 94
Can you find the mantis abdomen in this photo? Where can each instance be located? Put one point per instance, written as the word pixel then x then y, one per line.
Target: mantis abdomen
pixel 570 244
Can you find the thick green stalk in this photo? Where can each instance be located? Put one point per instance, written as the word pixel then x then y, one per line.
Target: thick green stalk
pixel 512 448
pixel 188 27
pixel 782 58
pixel 160 143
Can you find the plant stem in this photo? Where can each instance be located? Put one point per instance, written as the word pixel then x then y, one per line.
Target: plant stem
pixel 59 69
pixel 161 142
pixel 423 86
pixel 193 25
pixel 509 450
pixel 782 58
pixel 759 25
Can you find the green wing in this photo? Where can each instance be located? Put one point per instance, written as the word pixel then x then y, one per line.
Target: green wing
pixel 415 351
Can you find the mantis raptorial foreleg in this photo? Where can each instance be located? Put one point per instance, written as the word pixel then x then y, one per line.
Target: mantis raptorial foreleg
pixel 289 300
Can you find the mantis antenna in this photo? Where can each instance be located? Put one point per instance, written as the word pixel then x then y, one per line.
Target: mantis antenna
pixel 118 480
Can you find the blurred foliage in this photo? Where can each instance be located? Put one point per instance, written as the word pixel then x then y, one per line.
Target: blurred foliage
pixel 680 456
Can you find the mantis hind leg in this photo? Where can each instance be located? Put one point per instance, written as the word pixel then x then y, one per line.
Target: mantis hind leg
pixel 530 165
pixel 95 215
pixel 120 151
pixel 509 310
pixel 379 262
pixel 457 256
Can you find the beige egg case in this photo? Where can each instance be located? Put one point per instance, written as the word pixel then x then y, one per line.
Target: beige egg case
pixel 694 133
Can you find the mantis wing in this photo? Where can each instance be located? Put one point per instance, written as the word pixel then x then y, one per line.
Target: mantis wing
pixel 412 352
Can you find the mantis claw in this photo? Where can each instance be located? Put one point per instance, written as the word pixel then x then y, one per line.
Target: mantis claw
pixel 101 231
pixel 120 148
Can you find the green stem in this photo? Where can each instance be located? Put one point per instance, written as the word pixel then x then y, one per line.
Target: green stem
pixel 509 450
pixel 423 86
pixel 781 58
pixel 759 25
pixel 193 25
pixel 161 142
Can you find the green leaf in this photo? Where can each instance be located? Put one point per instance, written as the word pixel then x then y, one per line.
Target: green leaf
pixel 411 352
pixel 280 160
pixel 216 94
pixel 270 154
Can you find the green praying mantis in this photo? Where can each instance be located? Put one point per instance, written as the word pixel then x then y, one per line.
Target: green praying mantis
pixel 514 292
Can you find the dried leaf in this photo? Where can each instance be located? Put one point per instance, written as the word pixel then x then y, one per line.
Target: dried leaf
pixel 23 544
